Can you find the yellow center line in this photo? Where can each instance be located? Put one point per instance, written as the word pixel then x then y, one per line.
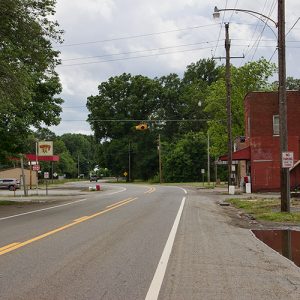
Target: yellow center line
pixel 8 246
pixel 151 190
pixel 114 204
pixel 14 246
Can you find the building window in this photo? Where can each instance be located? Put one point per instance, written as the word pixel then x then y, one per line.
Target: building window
pixel 276 125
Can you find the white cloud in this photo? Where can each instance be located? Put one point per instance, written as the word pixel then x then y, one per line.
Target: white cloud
pixel 98 20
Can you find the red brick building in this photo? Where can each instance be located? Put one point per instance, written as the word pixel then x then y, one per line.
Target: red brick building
pixel 261 146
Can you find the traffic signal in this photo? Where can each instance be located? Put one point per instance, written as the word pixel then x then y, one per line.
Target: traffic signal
pixel 141 127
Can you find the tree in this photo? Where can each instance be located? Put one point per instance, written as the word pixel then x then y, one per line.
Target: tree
pixel 123 97
pixel 196 81
pixel 184 158
pixel 83 149
pixel 253 76
pixel 28 82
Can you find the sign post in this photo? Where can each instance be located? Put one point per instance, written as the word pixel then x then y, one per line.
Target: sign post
pixel 203 172
pixel 46 177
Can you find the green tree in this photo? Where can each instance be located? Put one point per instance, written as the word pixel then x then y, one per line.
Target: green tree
pixel 253 76
pixel 196 81
pixel 28 82
pixel 83 149
pixel 184 158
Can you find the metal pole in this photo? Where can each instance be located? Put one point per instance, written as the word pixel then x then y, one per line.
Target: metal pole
pixel 284 172
pixel 228 101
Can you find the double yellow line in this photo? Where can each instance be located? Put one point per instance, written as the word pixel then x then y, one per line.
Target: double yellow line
pixel 151 190
pixel 14 246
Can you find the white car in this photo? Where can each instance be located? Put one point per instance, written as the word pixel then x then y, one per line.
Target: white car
pixel 9 183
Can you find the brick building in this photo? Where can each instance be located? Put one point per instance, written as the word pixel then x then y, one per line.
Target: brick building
pixel 259 151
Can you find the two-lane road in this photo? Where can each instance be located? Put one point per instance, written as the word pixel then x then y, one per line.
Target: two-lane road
pixel 106 245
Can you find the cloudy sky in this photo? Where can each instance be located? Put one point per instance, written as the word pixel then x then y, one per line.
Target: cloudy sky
pixel 105 38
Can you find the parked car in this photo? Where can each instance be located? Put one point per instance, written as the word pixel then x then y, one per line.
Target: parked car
pixel 9 183
pixel 93 178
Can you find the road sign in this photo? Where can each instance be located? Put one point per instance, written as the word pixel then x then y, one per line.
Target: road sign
pixel 125 174
pixel 46 175
pixel 55 174
pixel 36 167
pixel 287 159
pixel 202 171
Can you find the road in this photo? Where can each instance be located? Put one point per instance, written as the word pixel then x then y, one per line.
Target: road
pixel 118 244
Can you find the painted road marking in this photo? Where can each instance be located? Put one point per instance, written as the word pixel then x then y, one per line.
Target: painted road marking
pixel 14 246
pixel 158 277
pixel 56 206
pixel 118 203
pixel 151 190
pixel 42 209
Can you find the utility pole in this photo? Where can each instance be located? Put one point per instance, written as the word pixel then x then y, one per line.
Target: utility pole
pixel 159 159
pixel 228 101
pixel 23 176
pixel 129 161
pixel 208 160
pixel 284 172
pixel 78 165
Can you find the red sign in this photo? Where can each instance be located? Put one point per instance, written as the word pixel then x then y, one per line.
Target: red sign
pixel 36 167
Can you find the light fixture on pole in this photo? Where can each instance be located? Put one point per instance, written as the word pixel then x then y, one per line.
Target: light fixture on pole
pixel 284 172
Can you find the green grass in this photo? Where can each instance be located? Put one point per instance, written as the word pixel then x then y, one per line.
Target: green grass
pixel 7 202
pixel 267 209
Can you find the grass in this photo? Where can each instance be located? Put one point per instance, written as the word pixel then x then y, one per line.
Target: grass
pixel 267 209
pixel 7 202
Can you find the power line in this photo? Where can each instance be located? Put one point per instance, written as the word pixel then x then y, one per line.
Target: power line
pixel 135 36
pixel 133 57
pixel 138 51
pixel 143 120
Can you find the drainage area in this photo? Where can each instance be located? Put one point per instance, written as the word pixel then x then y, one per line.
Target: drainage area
pixel 286 242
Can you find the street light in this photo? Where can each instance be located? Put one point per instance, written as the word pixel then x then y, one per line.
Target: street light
pixel 280 25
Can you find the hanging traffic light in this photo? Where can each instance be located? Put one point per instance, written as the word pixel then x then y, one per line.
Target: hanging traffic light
pixel 142 126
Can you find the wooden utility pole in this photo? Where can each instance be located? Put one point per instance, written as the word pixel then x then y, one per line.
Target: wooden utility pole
pixel 129 161
pixel 208 159
pixel 23 176
pixel 159 160
pixel 228 102
pixel 284 172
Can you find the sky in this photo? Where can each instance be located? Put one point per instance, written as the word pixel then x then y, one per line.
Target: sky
pixel 105 38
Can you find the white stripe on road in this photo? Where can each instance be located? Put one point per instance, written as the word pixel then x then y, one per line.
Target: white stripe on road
pixel 38 210
pixel 56 206
pixel 158 277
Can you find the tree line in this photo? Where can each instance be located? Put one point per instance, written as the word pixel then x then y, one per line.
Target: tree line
pixel 182 111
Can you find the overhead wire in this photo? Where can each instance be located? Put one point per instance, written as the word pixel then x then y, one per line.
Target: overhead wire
pixel 133 57
pixel 265 25
pixel 219 35
pixel 135 36
pixel 137 51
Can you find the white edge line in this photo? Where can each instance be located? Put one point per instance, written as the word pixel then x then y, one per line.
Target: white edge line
pixel 120 191
pixel 38 210
pixel 158 277
pixel 56 206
